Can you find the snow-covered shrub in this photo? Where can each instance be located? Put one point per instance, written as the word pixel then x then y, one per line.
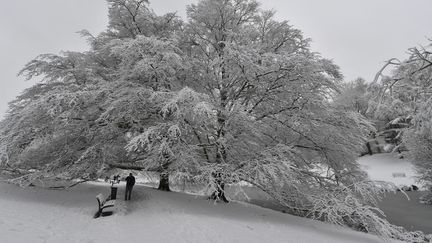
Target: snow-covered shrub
pixel 356 206
pixel 427 198
pixel 389 148
pixel 419 143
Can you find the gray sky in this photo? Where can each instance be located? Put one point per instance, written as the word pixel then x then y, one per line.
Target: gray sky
pixel 359 35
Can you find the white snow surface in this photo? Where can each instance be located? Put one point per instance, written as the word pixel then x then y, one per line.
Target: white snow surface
pixel 40 215
pixel 388 167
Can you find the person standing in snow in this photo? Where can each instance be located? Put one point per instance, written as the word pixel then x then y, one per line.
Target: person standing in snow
pixel 130 182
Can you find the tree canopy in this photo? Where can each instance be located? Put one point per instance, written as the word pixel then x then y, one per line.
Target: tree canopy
pixel 404 96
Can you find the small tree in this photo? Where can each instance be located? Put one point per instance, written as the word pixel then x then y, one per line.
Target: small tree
pixel 353 96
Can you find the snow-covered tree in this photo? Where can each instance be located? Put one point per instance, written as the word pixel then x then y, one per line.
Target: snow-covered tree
pixel 353 96
pixel 406 88
pixel 419 140
pixel 77 120
pixel 259 109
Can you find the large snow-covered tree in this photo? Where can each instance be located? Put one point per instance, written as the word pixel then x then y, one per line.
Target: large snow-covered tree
pixel 259 74
pixel 77 120
pixel 259 109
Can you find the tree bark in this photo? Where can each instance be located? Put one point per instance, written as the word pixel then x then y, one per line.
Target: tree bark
pixel 164 182
pixel 219 194
pixel 369 148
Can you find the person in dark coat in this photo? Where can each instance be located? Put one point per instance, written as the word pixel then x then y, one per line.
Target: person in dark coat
pixel 130 182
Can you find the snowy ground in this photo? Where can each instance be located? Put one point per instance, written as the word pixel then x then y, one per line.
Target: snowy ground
pixel 410 214
pixel 38 215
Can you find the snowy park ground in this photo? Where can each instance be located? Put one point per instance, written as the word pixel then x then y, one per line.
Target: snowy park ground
pixel 39 215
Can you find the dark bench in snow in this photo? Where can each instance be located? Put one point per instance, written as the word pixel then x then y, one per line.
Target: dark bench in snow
pixel 102 204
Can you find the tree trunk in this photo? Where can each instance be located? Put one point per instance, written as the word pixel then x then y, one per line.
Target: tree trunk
pixel 219 194
pixel 369 148
pixel 221 155
pixel 164 182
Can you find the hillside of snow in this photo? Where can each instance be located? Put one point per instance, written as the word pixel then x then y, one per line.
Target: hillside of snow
pixel 40 215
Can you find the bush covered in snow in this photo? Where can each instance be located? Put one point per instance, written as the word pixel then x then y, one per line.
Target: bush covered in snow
pixel 427 198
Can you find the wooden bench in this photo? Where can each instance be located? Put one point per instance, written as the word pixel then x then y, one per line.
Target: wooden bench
pixel 102 204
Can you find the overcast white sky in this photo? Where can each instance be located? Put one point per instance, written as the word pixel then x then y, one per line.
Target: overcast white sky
pixel 359 35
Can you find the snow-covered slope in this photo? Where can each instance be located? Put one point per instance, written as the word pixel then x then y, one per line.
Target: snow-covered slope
pixel 38 215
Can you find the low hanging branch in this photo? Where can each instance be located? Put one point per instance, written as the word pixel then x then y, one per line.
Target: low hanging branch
pixel 69 186
pixel 126 166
